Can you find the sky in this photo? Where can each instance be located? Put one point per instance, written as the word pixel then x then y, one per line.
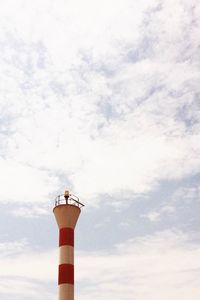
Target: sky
pixel 101 98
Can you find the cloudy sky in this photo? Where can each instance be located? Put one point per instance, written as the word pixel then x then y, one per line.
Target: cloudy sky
pixel 101 97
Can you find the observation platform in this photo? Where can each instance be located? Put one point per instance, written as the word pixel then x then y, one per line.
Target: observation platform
pixel 70 200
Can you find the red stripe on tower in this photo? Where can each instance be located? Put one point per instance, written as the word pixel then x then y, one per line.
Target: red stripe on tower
pixel 66 274
pixel 66 237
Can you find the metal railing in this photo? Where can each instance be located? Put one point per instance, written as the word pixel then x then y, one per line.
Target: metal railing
pixel 72 200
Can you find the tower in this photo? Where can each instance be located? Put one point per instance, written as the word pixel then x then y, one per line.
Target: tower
pixel 67 210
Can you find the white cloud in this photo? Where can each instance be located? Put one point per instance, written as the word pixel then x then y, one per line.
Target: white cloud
pixel 186 195
pixel 149 266
pixel 30 211
pixel 153 216
pixel 23 289
pixel 156 215
pixel 19 260
pixel 9 249
pixel 29 273
pixel 98 96
pixel 22 183
pixel 153 267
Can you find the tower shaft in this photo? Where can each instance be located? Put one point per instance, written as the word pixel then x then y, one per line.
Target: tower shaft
pixel 66 216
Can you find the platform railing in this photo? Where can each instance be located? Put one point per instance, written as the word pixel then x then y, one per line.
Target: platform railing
pixel 71 200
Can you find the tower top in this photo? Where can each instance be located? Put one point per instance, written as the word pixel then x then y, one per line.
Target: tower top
pixel 68 199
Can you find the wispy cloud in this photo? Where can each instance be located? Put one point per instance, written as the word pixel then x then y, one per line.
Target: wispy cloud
pixel 153 266
pixel 28 272
pixel 56 119
pixel 102 97
pixel 23 183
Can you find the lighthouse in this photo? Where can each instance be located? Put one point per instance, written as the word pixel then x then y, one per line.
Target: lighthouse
pixel 67 210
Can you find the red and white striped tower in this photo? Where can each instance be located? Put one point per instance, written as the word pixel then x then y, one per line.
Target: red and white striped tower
pixel 66 211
